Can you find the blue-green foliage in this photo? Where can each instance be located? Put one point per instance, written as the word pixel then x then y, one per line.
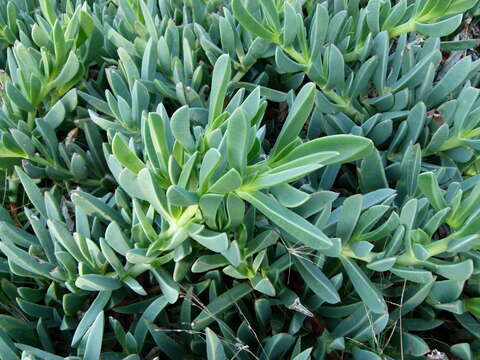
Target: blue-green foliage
pixel 239 179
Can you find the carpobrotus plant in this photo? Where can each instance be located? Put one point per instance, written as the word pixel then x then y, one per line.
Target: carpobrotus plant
pixel 247 179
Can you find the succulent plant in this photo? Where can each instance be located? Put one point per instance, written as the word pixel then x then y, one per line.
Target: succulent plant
pixel 248 179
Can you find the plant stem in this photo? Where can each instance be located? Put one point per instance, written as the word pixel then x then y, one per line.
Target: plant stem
pixel 295 55
pixel 407 27
pixel 344 103
pixel 434 248
pixel 239 75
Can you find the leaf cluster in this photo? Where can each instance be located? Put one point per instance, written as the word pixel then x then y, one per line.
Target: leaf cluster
pixel 247 179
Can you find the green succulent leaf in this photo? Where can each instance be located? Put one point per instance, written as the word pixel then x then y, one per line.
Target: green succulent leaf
pixel 365 289
pixel 288 221
pixel 250 23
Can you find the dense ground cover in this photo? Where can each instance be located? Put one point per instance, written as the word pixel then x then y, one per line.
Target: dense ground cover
pixel 239 179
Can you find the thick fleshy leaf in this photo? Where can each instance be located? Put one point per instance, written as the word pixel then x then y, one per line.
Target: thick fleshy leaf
pixel 170 288
pixel 214 346
pixel 26 261
pixel 125 156
pixel 148 316
pixel 178 196
pixel 249 22
pixel 288 221
pixel 237 140
pixel 94 206
pixel 180 124
pixel 270 179
pixel 94 282
pixel 277 346
pixel 348 147
pixel 32 191
pixel 220 304
pixel 91 315
pixel 221 76
pixel 428 184
pixel 93 347
pixel 227 183
pixel 442 28
pixel 212 240
pixel 364 287
pixel 316 280
pixel 297 117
